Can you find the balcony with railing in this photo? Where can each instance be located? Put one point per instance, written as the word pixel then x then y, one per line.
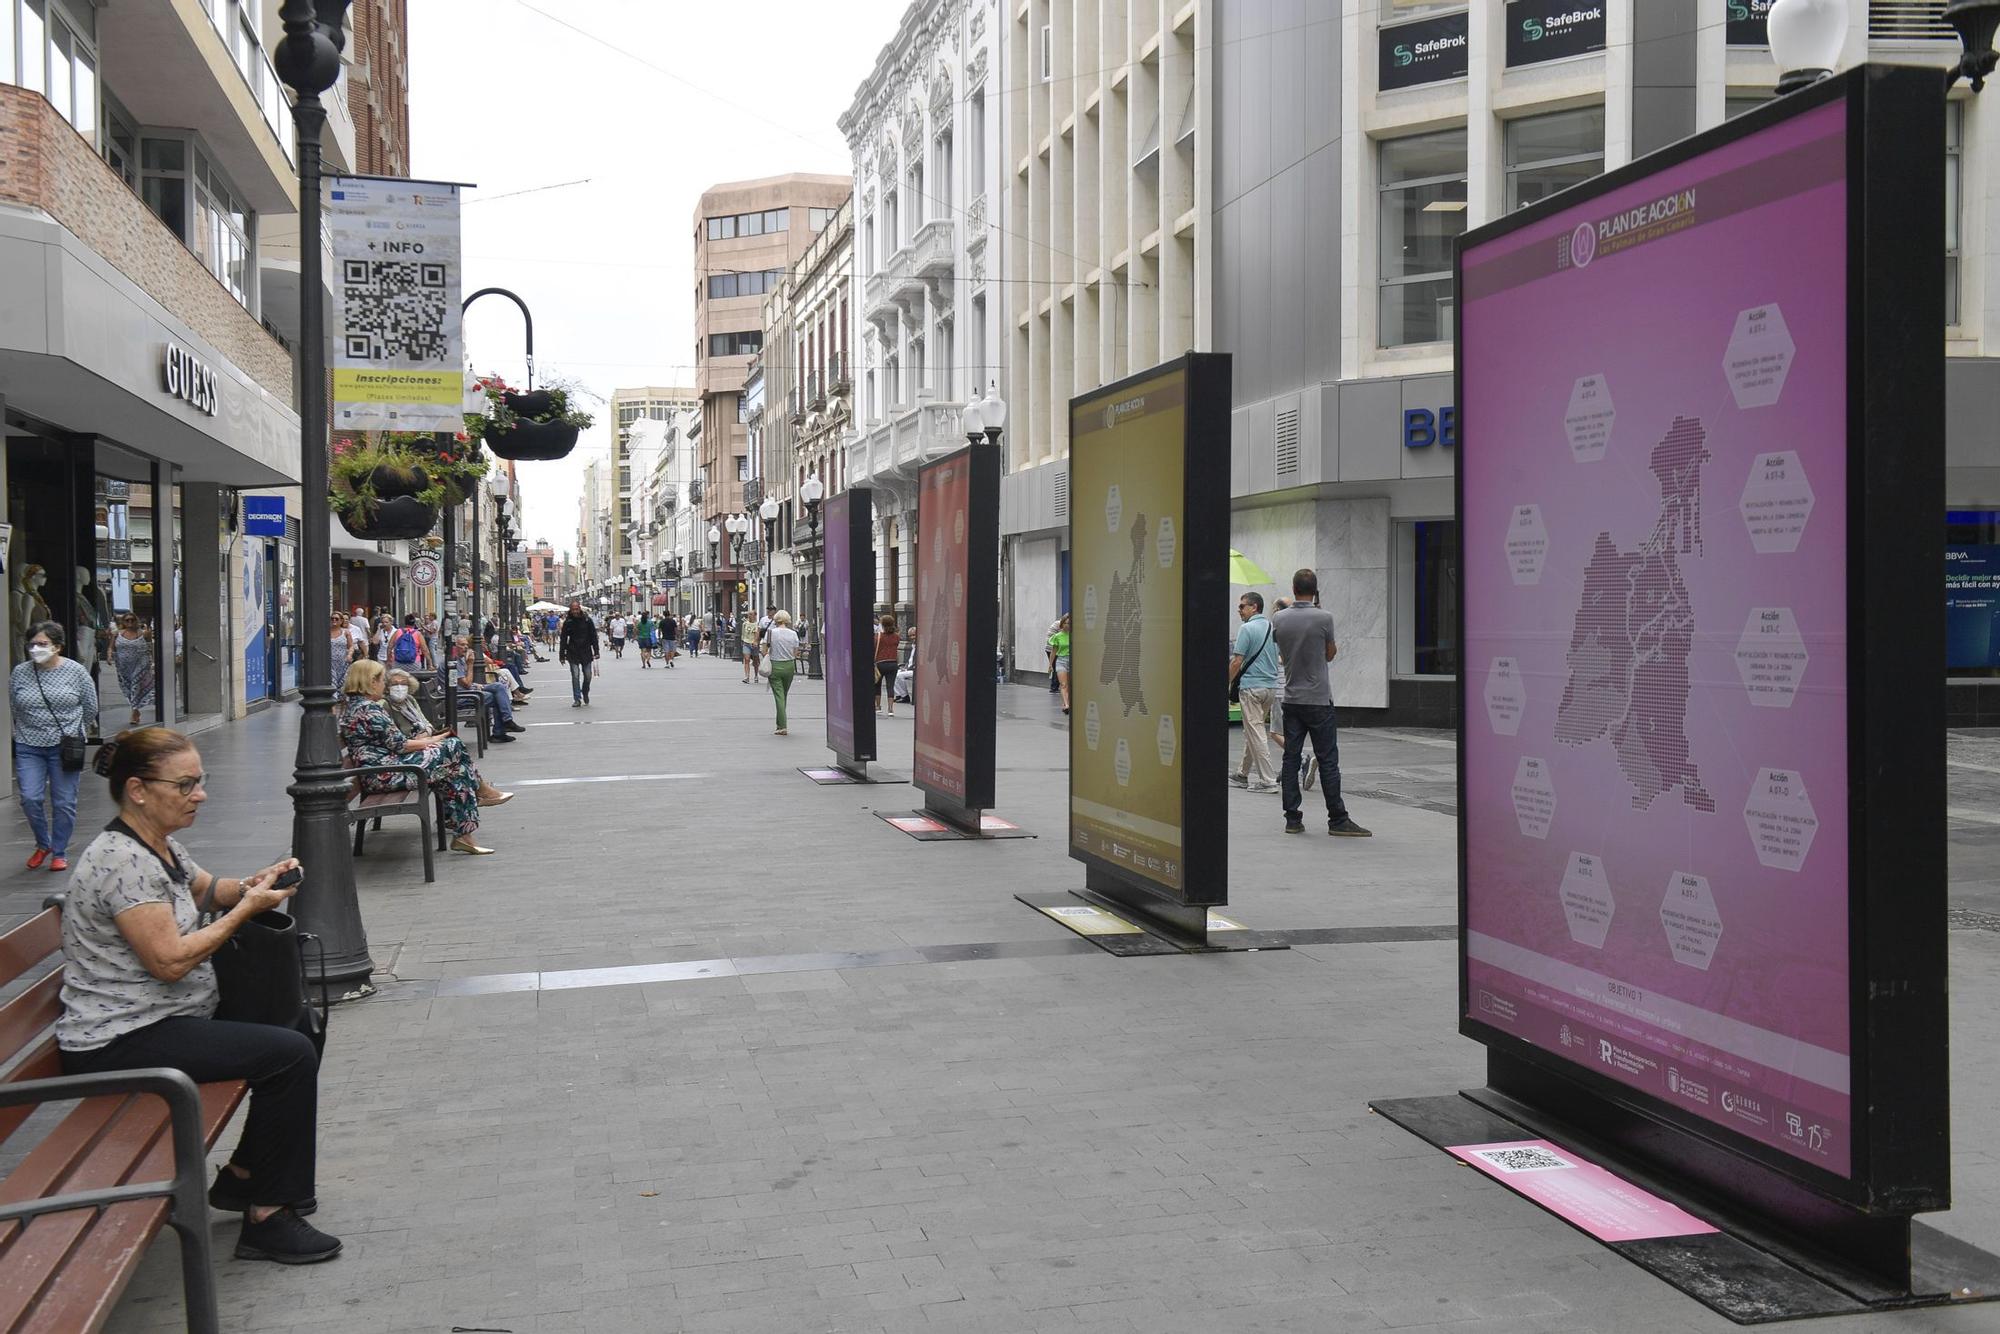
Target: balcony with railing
pixel 877 305
pixel 906 287
pixel 934 249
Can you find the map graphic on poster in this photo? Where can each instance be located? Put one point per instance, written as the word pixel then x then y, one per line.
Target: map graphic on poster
pixel 1127 483
pixel 1654 499
pixel 1634 628
pixel 943 493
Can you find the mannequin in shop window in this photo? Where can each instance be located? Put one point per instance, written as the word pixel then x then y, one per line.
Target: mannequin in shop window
pixel 28 604
pixel 93 622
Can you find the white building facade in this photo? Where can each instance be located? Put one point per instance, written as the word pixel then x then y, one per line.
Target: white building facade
pixel 927 331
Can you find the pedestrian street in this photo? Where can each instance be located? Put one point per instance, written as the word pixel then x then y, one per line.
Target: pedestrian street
pixel 706 1046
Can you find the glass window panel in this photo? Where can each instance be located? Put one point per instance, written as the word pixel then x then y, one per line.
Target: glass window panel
pixel 1951 170
pixel 1563 134
pixel 167 197
pixel 62 86
pixel 777 220
pixel 1419 224
pixel 85 119
pixel 7 67
pixel 1954 116
pixel 1534 183
pixel 1418 312
pixel 165 155
pixel 1434 572
pixel 1422 156
pixel 750 224
pixel 34 47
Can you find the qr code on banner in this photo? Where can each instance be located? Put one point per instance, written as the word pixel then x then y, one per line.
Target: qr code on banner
pixel 1525 1158
pixel 393 309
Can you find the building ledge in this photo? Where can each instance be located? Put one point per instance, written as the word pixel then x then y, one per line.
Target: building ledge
pixel 46 165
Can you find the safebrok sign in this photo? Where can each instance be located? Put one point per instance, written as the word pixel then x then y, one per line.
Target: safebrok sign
pixel 1544 30
pixel 1425 51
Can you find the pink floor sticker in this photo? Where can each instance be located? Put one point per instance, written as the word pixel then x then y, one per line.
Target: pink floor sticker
pixel 995 822
pixel 1582 1193
pixel 914 824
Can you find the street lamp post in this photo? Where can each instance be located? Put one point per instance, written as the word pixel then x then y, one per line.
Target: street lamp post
pixel 812 493
pixel 768 512
pixel 308 60
pixel 715 600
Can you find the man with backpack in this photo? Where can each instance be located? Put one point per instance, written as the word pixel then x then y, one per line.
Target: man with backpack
pixel 407 646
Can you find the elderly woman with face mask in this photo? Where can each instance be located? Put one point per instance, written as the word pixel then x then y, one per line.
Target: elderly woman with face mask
pixel 370 737
pixel 399 697
pixel 53 697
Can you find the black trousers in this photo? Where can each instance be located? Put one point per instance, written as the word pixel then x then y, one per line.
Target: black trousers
pixel 279 1147
pixel 1314 721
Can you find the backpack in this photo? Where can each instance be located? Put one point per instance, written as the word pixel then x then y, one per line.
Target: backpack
pixel 403 648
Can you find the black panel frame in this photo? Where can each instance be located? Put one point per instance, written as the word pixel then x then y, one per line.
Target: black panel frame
pixel 982 629
pixel 853 510
pixel 1897 851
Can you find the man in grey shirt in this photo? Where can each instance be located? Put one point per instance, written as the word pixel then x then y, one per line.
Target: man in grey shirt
pixel 1306 642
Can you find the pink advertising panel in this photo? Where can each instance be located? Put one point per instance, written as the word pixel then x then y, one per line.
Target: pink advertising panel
pixel 1654 400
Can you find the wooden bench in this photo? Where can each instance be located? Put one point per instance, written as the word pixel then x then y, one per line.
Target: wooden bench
pixel 418 801
pixel 78 1212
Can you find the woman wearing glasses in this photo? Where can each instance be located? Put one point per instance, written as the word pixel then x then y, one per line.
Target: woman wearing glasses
pixel 138 990
pixel 370 737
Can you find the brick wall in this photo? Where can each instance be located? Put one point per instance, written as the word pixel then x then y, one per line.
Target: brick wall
pixel 44 164
pixel 378 88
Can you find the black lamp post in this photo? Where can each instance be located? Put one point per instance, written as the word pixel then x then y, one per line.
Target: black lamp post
pixel 308 60
pixel 768 512
pixel 812 493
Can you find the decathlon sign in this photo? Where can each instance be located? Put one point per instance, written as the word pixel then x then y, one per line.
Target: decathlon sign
pixel 1543 30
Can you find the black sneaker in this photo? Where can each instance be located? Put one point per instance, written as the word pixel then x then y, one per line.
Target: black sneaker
pixel 1294 825
pixel 517 727
pixel 231 1194
pixel 285 1238
pixel 1346 828
pixel 502 738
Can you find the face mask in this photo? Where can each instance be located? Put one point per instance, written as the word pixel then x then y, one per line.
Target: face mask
pixel 399 693
pixel 41 652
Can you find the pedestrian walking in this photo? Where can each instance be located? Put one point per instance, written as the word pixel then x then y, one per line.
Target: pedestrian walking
pixel 1309 764
pixel 1306 641
pixel 132 655
pixel 646 632
pixel 784 644
pixel 670 630
pixel 1059 657
pixel 577 646
pixel 54 699
pixel 888 647
pixel 616 628
pixel 749 651
pixel 1253 670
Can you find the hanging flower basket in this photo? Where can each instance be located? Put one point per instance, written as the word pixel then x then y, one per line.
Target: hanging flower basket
pixel 537 424
pixel 390 479
pixel 390 519
pixel 532 440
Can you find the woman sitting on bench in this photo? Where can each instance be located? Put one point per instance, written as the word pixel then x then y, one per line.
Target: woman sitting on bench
pixel 138 990
pixel 370 737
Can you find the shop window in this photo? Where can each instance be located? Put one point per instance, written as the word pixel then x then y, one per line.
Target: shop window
pixel 1423 203
pixel 1954 166
pixel 1427 593
pixel 1972 592
pixel 1553 152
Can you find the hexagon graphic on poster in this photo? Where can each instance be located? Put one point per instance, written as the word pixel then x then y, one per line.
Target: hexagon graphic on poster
pixel 1167 740
pixel 1114 509
pixel 1690 918
pixel 1586 900
pixel 1505 696
pixel 1167 542
pixel 948 730
pixel 1090 606
pixel 1759 356
pixel 1534 797
pixel 1121 763
pixel 955 657
pixel 1527 544
pixel 1771 657
pixel 1588 421
pixel 1092 728
pixel 1779 815
pixel 1777 501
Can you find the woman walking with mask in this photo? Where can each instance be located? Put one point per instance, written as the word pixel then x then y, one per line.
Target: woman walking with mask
pixel 53 697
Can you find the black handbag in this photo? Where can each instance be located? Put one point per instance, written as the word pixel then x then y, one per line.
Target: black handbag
pixel 69 747
pixel 260 975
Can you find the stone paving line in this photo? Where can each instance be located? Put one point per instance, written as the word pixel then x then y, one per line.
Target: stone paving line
pixel 1049 1141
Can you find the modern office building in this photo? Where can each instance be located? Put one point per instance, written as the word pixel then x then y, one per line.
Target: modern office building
pixel 930 314
pixel 1353 146
pixel 746 235
pixel 1107 221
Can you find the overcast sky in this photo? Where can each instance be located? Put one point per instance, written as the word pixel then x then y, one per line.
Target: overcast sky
pixel 649 102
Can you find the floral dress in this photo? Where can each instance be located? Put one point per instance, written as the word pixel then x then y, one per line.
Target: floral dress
pixel 371 737
pixel 134 660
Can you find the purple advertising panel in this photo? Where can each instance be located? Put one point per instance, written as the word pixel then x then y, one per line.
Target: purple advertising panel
pixel 849 591
pixel 1655 763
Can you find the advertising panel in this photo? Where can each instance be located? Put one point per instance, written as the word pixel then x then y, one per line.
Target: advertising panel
pixel 1539 31
pixel 1146 563
pixel 957 628
pixel 1697 546
pixel 1422 51
pixel 398 351
pixel 1655 815
pixel 850 595
pixel 1747 23
pixel 1971 603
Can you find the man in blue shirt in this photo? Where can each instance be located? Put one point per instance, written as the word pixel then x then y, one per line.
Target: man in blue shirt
pixel 1254 667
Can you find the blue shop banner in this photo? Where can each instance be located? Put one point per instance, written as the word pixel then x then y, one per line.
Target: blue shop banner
pixel 1971 604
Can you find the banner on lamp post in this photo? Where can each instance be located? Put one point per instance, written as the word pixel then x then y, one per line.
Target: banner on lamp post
pixel 398 349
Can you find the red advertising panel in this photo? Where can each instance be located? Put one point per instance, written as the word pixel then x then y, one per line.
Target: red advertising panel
pixel 957 623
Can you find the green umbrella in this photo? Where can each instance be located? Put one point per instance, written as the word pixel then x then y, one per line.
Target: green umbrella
pixel 1243 570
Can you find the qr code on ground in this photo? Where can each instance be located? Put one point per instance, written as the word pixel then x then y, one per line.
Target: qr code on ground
pixel 393 310
pixel 1523 1158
